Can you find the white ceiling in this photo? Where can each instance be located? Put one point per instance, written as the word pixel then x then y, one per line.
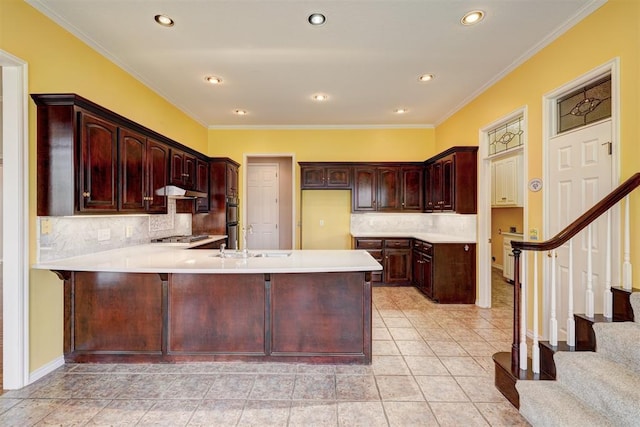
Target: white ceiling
pixel 367 57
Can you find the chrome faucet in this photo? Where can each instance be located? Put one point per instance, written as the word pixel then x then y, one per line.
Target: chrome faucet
pixel 245 248
pixel 222 247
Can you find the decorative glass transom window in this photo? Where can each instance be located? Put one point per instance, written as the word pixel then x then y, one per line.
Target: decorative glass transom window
pixel 506 136
pixel 585 105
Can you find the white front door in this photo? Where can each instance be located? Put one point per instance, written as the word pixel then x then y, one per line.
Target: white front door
pixel 580 174
pixel 262 206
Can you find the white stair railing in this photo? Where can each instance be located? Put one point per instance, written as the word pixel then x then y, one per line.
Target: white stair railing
pixel 626 267
pixel 589 308
pixel 607 300
pixel 571 321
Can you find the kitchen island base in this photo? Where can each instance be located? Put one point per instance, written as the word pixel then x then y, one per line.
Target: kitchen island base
pixel 115 317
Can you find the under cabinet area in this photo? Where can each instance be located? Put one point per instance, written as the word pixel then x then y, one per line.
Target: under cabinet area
pixel 393 254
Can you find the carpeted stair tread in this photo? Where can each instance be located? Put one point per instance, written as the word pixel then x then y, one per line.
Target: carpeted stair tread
pixel 634 299
pixel 619 342
pixel 548 403
pixel 604 385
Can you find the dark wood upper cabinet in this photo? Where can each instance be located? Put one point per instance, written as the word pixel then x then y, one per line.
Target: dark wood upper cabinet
pixel 91 160
pixel 325 176
pixel 183 170
pixel 365 188
pixel 389 186
pixel 98 166
pixel 451 181
pixel 412 193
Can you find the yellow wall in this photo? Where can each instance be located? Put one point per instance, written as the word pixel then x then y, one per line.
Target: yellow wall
pixel 326 217
pixel 613 31
pixel 58 63
pixel 501 220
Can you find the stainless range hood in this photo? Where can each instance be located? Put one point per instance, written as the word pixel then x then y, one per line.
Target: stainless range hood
pixel 174 192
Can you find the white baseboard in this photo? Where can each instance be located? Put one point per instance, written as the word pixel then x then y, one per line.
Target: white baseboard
pixel 46 369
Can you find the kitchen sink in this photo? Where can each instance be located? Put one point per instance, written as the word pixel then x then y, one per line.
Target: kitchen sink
pixel 272 254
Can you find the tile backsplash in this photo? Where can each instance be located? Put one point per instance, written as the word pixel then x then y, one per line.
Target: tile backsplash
pixel 439 223
pixel 78 235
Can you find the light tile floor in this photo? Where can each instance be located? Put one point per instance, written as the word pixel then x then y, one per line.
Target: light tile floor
pixel 431 366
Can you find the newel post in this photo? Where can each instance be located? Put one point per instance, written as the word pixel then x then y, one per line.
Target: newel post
pixel 515 347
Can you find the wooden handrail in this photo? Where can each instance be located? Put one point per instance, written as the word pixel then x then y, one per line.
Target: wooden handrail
pixel 582 222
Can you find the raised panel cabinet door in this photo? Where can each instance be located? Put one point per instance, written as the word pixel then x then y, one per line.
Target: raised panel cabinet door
pixel 397 266
pixel 177 172
pixel 313 177
pixel 158 175
pixel 427 274
pixel 417 270
pixel 338 177
pixel 436 186
pixel 365 189
pixel 98 190
pixel 388 189
pixel 190 172
pixel 448 184
pixel 412 189
pixel 202 185
pixel 133 185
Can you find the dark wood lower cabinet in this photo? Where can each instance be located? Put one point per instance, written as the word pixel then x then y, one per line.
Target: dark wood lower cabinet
pixel 147 317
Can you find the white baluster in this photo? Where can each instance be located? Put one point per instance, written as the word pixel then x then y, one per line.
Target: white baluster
pixel 589 294
pixel 608 297
pixel 627 274
pixel 535 350
pixel 553 322
pixel 571 322
pixel 523 318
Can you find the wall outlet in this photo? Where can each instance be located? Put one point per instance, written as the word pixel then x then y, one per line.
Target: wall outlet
pixel 322 223
pixel 104 234
pixel 45 226
pixel 128 231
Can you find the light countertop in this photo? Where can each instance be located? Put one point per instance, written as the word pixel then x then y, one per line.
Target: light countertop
pixel 427 237
pixel 178 258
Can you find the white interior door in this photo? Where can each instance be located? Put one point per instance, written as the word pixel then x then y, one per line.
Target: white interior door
pixel 262 206
pixel 580 174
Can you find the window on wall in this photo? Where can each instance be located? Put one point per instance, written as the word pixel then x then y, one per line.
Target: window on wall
pixel 586 105
pixel 506 136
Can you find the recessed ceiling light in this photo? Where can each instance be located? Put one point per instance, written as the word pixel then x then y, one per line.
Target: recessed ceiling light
pixel 317 19
pixel 213 80
pixel 400 110
pixel 240 112
pixel 320 97
pixel 426 77
pixel 472 17
pixel 164 20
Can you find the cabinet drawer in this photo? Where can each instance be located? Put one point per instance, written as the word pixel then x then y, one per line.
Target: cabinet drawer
pixel 368 243
pixel 397 243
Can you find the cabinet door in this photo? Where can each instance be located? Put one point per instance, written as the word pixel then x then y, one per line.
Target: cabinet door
pixel 312 176
pixel 133 160
pixel 417 270
pixel 388 189
pixel 202 185
pixel 436 186
pixel 448 184
pixel 507 260
pixel 412 189
pixel 364 192
pixel 338 177
pixel 98 167
pixel 507 187
pixel 190 174
pixel 232 181
pixel 157 173
pixel 427 274
pixel 177 171
pixel 397 266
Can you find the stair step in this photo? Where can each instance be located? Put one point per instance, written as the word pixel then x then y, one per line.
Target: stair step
pixel 606 386
pixel 622 307
pixel 548 403
pixel 506 376
pixel 585 337
pixel 547 365
pixel 618 342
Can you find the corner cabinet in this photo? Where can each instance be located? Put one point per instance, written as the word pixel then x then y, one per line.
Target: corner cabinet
pixel 451 181
pixel 91 160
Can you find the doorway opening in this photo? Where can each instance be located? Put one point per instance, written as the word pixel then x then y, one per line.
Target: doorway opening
pixel 15 234
pixel 502 201
pixel 268 196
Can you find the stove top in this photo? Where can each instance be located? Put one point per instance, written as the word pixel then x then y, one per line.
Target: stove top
pixel 181 239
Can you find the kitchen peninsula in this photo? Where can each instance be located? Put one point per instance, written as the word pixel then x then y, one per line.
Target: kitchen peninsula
pixel 169 303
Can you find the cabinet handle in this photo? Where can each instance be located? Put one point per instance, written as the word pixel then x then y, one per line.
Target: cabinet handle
pixel 86 194
pixel 185 174
pixel 466 248
pixel 503 198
